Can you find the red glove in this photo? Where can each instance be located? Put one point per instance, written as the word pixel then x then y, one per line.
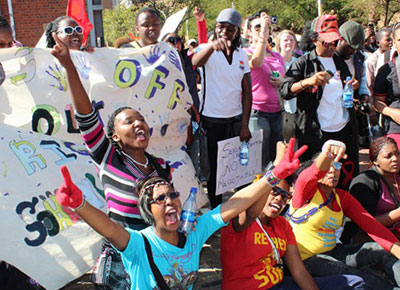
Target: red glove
pixel 68 194
pixel 290 161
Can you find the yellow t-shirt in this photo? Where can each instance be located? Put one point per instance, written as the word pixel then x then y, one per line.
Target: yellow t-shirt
pixel 316 235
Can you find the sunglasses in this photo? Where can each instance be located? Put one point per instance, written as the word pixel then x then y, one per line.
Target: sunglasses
pixel 328 44
pixel 163 197
pixel 229 28
pixel 174 39
pixel 337 165
pixel 283 193
pixel 70 30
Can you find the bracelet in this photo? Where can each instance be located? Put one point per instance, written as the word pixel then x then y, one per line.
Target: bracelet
pixel 301 85
pixel 82 205
pixel 271 179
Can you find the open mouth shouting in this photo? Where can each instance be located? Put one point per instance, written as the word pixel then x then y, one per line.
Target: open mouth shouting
pixel 172 216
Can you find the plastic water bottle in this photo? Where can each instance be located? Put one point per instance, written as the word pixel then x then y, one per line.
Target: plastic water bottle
pixel 348 94
pixel 188 214
pixel 244 153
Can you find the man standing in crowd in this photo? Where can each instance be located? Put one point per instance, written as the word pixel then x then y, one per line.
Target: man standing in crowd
pixel 384 41
pixel 350 50
pixel 226 95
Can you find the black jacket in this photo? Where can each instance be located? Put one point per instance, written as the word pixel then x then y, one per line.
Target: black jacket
pixel 307 126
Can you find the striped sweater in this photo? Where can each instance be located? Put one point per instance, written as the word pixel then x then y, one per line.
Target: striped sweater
pixel 118 181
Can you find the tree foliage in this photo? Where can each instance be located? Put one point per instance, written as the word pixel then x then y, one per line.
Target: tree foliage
pixel 291 14
pixel 117 22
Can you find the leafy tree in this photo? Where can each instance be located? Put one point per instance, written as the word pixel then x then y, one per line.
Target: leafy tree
pixel 117 22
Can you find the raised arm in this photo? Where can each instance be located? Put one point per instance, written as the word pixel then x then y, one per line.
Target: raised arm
pixel 245 197
pixel 244 219
pixel 332 150
pixel 247 99
pixel 198 14
pixel 260 48
pixel 80 99
pixel 68 194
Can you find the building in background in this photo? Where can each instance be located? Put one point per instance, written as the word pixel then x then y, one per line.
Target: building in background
pixel 29 18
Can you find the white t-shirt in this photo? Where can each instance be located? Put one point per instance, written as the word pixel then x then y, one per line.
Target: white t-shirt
pixel 332 116
pixel 223 84
pixel 350 65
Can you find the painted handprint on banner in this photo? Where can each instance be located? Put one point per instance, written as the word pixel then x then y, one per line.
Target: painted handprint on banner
pixel 59 76
pixel 154 55
pixel 174 59
pixel 83 65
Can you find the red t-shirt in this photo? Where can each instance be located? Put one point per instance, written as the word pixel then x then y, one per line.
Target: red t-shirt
pixel 246 257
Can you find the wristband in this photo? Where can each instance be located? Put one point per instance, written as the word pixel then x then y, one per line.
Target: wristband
pixel 334 143
pixel 82 204
pixel 301 85
pixel 271 179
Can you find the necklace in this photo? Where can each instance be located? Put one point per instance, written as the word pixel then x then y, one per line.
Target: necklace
pixel 137 162
pixel 275 253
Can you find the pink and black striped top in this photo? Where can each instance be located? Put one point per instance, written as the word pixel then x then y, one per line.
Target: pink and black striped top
pixel 118 181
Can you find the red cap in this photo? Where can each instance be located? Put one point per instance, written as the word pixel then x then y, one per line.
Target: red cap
pixel 327 28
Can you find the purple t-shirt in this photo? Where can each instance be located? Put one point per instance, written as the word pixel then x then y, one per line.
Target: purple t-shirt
pixel 265 97
pixel 386 202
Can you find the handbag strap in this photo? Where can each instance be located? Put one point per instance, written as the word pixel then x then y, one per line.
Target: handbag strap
pixel 156 272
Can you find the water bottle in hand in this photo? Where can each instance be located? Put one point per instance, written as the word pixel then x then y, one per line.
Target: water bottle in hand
pixel 348 94
pixel 188 214
pixel 244 153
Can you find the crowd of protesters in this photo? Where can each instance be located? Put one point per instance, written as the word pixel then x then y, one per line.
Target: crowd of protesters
pixel 244 76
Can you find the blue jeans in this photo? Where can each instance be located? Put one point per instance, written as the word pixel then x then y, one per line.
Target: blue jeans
pixel 356 260
pixel 271 124
pixel 337 282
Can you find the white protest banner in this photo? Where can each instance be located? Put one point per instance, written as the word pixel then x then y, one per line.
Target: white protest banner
pixel 35 98
pixel 46 241
pixel 230 173
pixel 172 23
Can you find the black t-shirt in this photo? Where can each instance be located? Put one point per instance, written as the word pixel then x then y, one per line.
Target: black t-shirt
pixel 387 85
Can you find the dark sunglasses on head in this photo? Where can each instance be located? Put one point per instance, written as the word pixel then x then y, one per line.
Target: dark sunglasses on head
pixel 69 30
pixel 327 44
pixel 163 197
pixel 283 193
pixel 174 39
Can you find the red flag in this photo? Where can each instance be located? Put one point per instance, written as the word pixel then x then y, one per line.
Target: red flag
pixel 76 10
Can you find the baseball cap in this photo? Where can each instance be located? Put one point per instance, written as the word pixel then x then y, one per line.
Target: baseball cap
pixel 327 28
pixel 353 34
pixel 231 16
pixel 192 40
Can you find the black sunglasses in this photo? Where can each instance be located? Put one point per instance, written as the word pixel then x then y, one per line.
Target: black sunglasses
pixel 163 197
pixel 174 39
pixel 283 193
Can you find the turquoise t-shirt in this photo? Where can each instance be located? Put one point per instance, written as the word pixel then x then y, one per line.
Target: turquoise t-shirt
pixel 179 267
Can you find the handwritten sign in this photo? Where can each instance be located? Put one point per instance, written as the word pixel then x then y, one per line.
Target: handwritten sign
pixel 230 173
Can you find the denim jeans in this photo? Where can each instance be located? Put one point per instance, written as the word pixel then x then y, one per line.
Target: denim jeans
pixel 336 282
pixel 356 260
pixel 271 124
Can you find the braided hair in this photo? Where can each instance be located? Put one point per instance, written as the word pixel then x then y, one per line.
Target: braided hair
pixel 111 128
pixel 53 27
pixel 145 190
